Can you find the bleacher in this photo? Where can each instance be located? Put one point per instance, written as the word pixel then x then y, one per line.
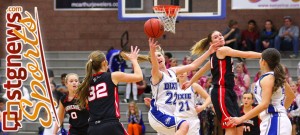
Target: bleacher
pixel 67 62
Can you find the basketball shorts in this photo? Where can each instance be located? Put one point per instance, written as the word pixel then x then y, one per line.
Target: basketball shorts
pixel 194 124
pixel 78 130
pixel 275 124
pixel 225 104
pixel 162 123
pixel 107 127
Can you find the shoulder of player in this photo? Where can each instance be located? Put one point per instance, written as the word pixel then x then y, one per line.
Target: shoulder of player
pixel 267 80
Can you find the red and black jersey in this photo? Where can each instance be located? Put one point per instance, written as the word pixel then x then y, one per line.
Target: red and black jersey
pixel 78 116
pixel 253 123
pixel 103 99
pixel 222 71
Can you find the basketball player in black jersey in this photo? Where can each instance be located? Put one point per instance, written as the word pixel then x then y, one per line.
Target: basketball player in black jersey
pixel 223 97
pixel 69 104
pixel 251 127
pixel 100 89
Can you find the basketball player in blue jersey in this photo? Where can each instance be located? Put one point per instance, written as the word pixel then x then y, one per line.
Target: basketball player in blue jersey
pixel 68 104
pixel 223 97
pixel 100 90
pixel 164 87
pixel 186 108
pixel 274 96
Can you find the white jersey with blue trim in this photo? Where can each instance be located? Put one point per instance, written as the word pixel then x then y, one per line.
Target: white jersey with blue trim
pixel 164 93
pixel 277 99
pixel 185 103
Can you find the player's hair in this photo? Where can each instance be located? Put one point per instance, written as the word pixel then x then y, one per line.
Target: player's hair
pixel 136 110
pixel 68 75
pixel 272 57
pixel 142 58
pixel 94 64
pixel 248 92
pixel 202 45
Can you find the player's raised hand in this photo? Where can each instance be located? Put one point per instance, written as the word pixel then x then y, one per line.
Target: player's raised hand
pixel 152 44
pixel 133 54
pixel 185 85
pixel 214 47
pixel 147 101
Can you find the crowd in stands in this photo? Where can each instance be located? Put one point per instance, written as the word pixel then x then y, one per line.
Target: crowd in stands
pixel 286 38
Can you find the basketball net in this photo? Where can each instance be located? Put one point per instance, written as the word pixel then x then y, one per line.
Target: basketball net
pixel 167 14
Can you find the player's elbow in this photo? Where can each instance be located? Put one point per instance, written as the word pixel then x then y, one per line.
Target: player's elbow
pixel 264 106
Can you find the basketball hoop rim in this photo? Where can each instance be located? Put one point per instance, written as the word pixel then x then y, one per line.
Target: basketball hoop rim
pixel 170 10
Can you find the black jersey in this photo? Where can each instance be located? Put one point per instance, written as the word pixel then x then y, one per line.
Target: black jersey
pixel 78 117
pixel 253 124
pixel 222 71
pixel 103 98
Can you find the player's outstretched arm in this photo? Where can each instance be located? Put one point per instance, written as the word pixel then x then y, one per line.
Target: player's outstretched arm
pixel 197 63
pixel 290 96
pixel 227 51
pixel 197 76
pixel 155 73
pixel 137 74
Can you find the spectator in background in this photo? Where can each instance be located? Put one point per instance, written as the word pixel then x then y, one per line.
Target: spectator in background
pixel 267 37
pixel 242 79
pixel 51 75
pixel 232 34
pixel 115 62
pixel 168 57
pixel 188 60
pixel 287 74
pixel 135 120
pixel 173 62
pixel 141 88
pixel 294 110
pixel 62 88
pixel 249 37
pixel 288 37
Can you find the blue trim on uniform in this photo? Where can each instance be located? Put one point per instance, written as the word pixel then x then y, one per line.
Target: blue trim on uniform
pixel 158 82
pixel 180 124
pixel 273 130
pixel 264 75
pixel 192 89
pixel 164 119
pixel 271 109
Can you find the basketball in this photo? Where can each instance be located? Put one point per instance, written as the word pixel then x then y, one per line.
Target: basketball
pixel 154 28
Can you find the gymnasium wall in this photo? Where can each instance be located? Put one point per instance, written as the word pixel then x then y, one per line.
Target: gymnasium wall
pixel 91 30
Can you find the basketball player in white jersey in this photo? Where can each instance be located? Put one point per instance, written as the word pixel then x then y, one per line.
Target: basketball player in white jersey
pixel 274 96
pixel 164 87
pixel 186 108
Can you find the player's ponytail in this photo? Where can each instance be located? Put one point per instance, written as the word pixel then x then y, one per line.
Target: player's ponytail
pixel 272 57
pixel 201 45
pixel 279 77
pixel 140 58
pixel 93 64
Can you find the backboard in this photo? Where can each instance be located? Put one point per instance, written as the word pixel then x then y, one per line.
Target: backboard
pixel 190 9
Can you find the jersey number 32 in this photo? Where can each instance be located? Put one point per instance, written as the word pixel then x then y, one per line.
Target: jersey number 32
pixel 98 91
